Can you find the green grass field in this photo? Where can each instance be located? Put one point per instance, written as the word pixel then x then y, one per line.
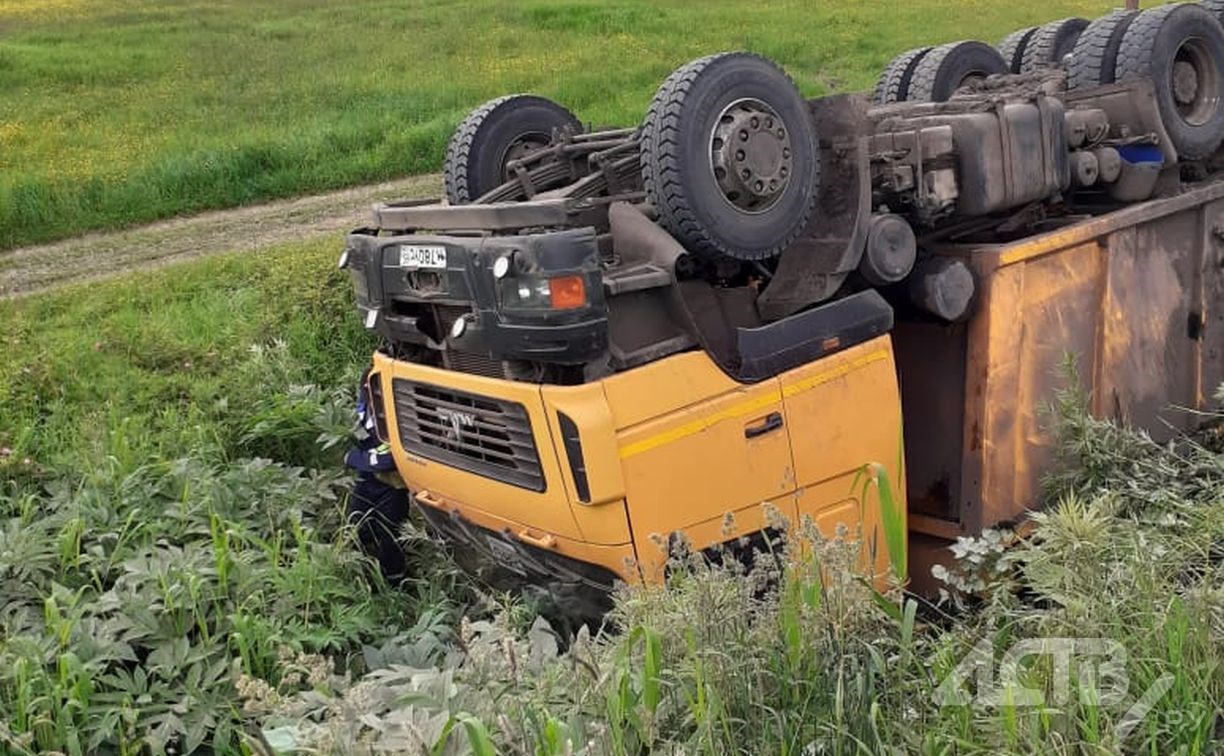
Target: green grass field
pixel 167 362
pixel 115 112
pixel 166 591
pixel 175 572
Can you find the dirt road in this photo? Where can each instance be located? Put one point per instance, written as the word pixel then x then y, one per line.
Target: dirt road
pixel 245 229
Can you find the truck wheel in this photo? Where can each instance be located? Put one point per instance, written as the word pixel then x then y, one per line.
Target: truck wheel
pixel 1215 8
pixel 1012 47
pixel 949 67
pixel 894 82
pixel 1096 50
pixel 1051 43
pixel 728 157
pixel 495 133
pixel 1181 48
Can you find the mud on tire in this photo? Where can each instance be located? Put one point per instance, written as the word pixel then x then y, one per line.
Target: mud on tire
pixel 494 133
pixel 729 158
pixel 1181 48
pixel 948 67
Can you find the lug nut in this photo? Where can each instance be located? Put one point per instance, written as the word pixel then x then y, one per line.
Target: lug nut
pixel 739 154
pixel 755 123
pixel 743 135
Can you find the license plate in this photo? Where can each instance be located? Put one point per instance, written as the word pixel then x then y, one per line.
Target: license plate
pixel 420 256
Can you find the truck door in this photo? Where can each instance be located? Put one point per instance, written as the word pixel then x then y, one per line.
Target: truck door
pixel 700 453
pixel 843 416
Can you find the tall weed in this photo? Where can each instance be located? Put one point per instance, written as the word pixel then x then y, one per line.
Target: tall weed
pixel 802 656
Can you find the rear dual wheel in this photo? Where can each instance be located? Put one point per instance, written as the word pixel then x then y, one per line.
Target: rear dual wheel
pixel 1013 45
pixel 932 74
pixel 1051 43
pixel 1096 51
pixel 1180 48
pixel 949 67
pixel 893 85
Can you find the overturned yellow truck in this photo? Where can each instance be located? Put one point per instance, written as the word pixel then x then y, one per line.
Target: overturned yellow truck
pixel 605 341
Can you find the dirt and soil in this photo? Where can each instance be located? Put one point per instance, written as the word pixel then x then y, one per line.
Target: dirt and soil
pixel 246 229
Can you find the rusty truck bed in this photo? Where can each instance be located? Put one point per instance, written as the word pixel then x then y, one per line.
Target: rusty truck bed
pixel 1136 296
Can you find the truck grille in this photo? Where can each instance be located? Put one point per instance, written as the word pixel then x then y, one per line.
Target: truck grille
pixel 482 435
pixel 476 364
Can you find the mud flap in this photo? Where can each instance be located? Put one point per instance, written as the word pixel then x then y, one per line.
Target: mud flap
pixel 815 266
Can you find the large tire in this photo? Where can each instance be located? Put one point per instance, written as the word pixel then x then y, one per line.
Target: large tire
pixel 1181 48
pixel 948 67
pixel 1096 51
pixel 1012 47
pixel 1215 8
pixel 494 133
pixel 1052 42
pixel 692 131
pixel 895 80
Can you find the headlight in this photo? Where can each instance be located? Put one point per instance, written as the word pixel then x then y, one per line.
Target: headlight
pixel 560 293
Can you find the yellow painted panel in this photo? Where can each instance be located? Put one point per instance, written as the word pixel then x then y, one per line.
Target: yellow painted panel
pixel 547 510
pixel 725 527
pixel 694 465
pixel 845 414
pixel 664 386
pixel 602 519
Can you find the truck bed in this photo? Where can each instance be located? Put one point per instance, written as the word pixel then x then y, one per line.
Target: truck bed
pixel 1135 296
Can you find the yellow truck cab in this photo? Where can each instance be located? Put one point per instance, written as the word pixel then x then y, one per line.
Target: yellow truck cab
pixel 720 322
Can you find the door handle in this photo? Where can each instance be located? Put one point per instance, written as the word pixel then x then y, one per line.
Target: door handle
pixel 544 541
pixel 772 422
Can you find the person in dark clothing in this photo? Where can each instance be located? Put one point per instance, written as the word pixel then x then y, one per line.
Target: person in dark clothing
pixel 378 502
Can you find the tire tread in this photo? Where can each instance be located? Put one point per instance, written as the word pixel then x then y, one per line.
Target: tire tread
pixel 927 73
pixel 459 150
pixel 1090 65
pixel 895 80
pixel 1013 45
pixel 660 158
pixel 1039 53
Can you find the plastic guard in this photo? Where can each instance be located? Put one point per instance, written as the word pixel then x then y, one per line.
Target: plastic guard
pixel 808 336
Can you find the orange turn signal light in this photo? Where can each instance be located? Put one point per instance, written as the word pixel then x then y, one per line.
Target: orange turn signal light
pixel 566 292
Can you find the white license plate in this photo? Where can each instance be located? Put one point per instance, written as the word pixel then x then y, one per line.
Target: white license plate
pixel 419 256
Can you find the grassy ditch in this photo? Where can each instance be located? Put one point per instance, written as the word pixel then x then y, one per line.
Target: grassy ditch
pixel 115 112
pixel 171 516
pixel 178 576
pixel 1123 573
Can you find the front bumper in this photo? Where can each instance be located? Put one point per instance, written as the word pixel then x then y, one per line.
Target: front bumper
pixel 415 305
pixel 576 578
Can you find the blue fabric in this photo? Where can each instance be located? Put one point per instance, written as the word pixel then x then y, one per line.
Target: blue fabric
pixel 369 455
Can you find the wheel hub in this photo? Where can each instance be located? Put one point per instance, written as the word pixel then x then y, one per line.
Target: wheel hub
pixel 750 152
pixel 1195 83
pixel 1185 82
pixel 519 149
